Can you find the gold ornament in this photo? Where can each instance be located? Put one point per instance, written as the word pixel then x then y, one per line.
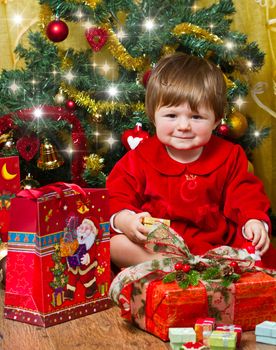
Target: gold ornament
pixel 94 164
pixel 28 183
pixel 48 158
pixel 59 98
pixel 97 118
pixel 238 124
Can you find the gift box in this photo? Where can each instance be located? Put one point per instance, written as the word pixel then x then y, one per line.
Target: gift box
pixel 220 340
pixel 41 287
pixel 231 328
pixel 9 185
pixel 155 296
pixel 75 259
pixel 204 328
pixel 178 336
pixel 266 332
pixel 68 248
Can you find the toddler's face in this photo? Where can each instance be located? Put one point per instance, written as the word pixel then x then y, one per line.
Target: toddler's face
pixel 181 129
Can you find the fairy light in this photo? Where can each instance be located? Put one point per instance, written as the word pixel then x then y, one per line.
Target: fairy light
pixel 249 64
pixel 17 19
pixel 229 45
pixel 121 34
pixel 239 101
pixel 79 14
pixel 14 87
pixel 111 140
pixel 106 67
pixel 69 76
pixel 112 91
pixel 149 24
pixel 38 113
pixel 257 133
pixel 88 24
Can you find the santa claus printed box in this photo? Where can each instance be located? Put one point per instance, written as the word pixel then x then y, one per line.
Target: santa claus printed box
pixel 9 185
pixel 47 283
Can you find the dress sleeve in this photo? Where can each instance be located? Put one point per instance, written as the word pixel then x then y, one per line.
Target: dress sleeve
pixel 244 195
pixel 125 184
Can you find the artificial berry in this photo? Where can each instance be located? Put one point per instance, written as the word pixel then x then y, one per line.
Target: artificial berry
pixel 250 248
pixel 178 266
pixel 235 266
pixel 186 267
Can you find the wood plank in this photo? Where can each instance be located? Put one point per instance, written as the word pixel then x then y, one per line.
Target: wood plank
pixel 100 331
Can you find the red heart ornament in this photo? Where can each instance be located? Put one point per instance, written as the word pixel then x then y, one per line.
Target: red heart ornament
pixel 132 137
pixel 27 147
pixel 96 38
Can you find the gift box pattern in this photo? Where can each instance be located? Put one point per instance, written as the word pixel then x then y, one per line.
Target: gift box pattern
pixel 9 186
pixel 231 328
pixel 29 296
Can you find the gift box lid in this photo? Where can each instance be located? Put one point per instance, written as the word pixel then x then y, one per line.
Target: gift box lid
pixel 182 335
pixel 207 320
pixel 266 329
pixel 224 339
pixel 228 327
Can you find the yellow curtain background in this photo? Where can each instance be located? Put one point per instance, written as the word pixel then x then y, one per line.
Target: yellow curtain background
pixel 256 18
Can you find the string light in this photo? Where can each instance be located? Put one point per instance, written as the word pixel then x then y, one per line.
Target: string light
pixel 257 133
pixel 79 14
pixel 69 76
pixel 14 87
pixel 113 91
pixel 149 24
pixel 121 34
pixel 239 101
pixel 229 45
pixel 106 67
pixel 249 64
pixel 38 113
pixel 111 140
pixel 17 19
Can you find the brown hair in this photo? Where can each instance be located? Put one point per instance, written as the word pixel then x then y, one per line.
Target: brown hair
pixel 181 78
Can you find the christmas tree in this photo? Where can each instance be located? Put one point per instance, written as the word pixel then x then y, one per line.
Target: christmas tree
pixel 70 116
pixel 60 279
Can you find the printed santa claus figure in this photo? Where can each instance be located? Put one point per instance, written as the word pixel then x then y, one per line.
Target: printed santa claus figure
pixel 82 265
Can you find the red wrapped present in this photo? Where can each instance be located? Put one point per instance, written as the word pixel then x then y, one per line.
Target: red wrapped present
pixel 9 185
pixel 41 287
pixel 231 328
pixel 156 306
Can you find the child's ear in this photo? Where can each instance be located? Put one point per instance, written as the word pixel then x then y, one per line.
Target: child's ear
pixel 217 124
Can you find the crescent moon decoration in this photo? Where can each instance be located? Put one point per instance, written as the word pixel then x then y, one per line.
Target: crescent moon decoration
pixel 6 175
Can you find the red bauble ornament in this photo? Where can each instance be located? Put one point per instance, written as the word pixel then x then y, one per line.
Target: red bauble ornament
pixel 27 147
pixel 132 137
pixel 57 30
pixel 235 266
pixel 178 266
pixel 71 105
pixel 186 267
pixel 146 77
pixel 96 38
pixel 223 130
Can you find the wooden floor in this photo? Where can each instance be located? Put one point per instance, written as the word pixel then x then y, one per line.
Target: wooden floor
pixel 101 331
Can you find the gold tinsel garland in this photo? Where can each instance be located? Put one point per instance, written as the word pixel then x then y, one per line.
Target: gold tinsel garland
pixel 189 28
pixel 92 3
pixel 120 53
pixel 84 100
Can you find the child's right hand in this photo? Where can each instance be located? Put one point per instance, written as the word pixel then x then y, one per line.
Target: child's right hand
pixel 131 225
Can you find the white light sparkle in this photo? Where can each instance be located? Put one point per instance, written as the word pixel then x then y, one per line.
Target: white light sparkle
pixel 113 91
pixel 121 34
pixel 14 87
pixel 239 101
pixel 149 24
pixel 257 133
pixel 17 19
pixel 38 113
pixel 106 67
pixel 69 76
pixel 111 140
pixel 229 45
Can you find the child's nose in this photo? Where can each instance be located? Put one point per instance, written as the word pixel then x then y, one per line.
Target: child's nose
pixel 184 123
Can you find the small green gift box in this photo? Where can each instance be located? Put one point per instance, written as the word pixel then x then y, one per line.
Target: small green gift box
pixel 220 340
pixel 178 336
pixel 266 332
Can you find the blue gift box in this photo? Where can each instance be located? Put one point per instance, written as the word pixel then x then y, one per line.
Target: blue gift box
pixel 75 260
pixel 266 332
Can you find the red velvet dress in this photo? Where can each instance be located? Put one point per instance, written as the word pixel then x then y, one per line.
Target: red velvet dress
pixel 208 201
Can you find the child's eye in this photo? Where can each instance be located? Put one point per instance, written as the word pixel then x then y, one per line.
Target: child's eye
pixel 171 116
pixel 197 116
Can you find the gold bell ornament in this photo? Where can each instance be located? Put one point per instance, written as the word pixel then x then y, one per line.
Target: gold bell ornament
pixel 48 158
pixel 28 183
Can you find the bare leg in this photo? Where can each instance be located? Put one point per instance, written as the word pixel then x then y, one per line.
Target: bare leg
pixel 126 253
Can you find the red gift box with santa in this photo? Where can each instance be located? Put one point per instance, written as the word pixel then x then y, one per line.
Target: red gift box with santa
pixel 9 185
pixel 44 287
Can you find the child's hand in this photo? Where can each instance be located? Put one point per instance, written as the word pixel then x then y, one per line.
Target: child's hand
pixel 255 230
pixel 131 225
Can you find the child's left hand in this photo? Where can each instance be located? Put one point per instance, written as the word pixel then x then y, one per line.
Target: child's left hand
pixel 255 231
